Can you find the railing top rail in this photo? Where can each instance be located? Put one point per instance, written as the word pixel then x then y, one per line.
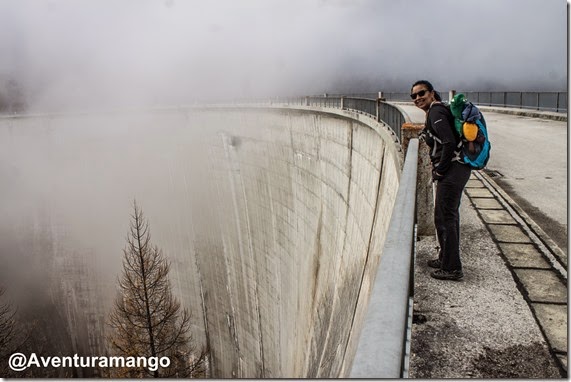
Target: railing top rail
pixel 359 98
pixel 381 349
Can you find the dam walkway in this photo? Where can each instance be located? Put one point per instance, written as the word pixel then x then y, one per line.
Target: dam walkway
pixel 508 317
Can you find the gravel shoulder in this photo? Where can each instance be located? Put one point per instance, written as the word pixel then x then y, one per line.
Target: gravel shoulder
pixel 480 327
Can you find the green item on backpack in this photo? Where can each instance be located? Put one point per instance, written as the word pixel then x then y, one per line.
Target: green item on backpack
pixel 457 105
pixel 474 146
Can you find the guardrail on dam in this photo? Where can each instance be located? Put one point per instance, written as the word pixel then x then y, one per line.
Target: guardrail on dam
pixel 273 218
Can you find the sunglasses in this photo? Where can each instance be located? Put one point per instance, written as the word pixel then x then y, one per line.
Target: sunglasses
pixel 419 94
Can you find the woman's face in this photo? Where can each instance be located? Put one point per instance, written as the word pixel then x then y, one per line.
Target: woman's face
pixel 422 97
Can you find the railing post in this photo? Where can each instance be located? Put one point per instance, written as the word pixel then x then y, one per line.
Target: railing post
pixel 378 106
pixel 342 102
pixel 424 197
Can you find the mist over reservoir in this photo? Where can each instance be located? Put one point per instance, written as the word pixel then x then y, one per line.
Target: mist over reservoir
pixel 272 219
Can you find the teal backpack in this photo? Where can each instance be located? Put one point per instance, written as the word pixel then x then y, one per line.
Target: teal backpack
pixel 470 125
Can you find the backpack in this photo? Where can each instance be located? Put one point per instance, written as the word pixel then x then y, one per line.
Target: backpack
pixel 470 125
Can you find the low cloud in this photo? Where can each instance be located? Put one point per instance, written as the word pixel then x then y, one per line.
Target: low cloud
pixel 79 54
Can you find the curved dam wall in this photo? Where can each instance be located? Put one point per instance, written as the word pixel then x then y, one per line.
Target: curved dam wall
pixel 273 220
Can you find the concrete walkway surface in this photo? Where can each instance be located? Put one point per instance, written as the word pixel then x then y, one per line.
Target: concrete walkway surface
pixel 506 319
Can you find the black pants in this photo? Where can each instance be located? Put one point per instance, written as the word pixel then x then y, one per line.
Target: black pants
pixel 447 214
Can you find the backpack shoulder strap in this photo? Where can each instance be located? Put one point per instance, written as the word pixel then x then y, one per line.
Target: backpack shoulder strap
pixel 459 144
pixel 451 118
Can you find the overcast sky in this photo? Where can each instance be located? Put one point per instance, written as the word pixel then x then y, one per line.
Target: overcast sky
pixel 163 51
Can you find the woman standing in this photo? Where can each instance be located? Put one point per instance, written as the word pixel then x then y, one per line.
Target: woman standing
pixel 451 175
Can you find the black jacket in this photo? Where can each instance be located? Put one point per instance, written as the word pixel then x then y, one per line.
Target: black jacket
pixel 442 138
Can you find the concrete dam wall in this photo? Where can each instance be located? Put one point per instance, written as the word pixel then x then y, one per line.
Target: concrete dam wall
pixel 273 220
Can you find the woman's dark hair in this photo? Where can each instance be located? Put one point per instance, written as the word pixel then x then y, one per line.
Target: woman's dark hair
pixel 429 87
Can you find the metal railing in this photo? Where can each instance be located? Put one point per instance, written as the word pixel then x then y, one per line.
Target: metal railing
pixel 392 116
pixel 546 101
pixel 365 105
pixel 324 101
pixel 382 349
pixel 375 108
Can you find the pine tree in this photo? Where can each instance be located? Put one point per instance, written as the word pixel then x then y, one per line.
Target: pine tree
pixel 147 320
pixel 7 327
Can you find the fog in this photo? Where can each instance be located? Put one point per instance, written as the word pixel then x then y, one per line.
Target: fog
pixel 60 54
pixel 69 185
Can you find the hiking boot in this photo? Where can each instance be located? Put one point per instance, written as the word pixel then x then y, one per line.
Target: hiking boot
pixel 434 263
pixel 441 274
